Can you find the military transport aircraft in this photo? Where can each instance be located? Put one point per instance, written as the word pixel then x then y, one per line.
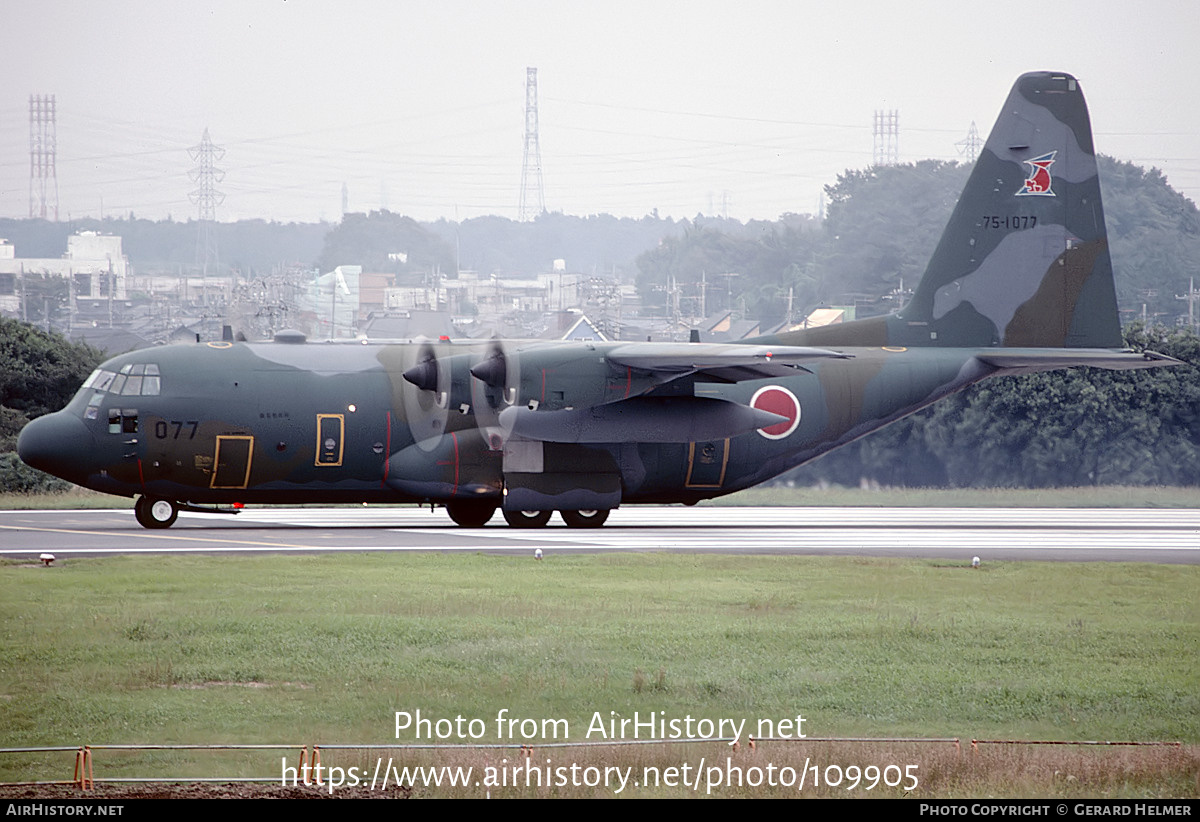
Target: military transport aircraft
pixel 1021 281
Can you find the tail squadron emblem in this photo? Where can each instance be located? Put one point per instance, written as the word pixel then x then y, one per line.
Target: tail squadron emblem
pixel 1038 184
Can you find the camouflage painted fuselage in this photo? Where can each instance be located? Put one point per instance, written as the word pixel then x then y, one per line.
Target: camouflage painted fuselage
pixel 279 422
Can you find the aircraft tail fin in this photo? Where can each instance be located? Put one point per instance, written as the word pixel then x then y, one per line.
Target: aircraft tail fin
pixel 1024 260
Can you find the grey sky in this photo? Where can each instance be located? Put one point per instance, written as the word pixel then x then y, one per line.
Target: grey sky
pixel 680 106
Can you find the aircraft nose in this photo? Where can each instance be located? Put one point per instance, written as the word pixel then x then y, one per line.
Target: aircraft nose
pixel 58 444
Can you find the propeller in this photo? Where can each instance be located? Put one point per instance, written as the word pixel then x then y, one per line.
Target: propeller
pixel 428 409
pixel 497 375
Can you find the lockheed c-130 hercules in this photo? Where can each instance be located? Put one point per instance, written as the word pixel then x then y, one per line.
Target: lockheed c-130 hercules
pixel 1021 281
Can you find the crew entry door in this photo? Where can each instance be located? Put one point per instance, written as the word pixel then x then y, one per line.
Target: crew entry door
pixel 231 462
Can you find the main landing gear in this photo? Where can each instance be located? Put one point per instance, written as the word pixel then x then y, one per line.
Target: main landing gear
pixel 527 519
pixel 593 518
pixel 476 513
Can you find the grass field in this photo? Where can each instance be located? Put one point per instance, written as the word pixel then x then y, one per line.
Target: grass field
pixel 189 649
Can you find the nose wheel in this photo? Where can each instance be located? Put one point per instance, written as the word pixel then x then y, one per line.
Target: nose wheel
pixel 155 512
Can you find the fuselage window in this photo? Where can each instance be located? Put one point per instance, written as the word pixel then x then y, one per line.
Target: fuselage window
pixel 114 421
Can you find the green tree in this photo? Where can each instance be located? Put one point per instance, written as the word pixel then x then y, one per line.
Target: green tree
pixel 40 373
pixel 368 239
pixel 883 224
pixel 1154 233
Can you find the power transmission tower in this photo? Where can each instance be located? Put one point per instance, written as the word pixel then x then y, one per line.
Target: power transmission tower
pixel 42 153
pixel 207 198
pixel 970 146
pixel 887 138
pixel 533 197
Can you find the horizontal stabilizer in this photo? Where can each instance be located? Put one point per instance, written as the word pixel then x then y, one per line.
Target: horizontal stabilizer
pixel 722 363
pixel 640 419
pixel 1027 361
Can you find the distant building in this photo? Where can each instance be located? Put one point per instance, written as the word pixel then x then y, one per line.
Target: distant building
pixel 829 316
pixel 329 305
pixel 408 325
pixel 94 263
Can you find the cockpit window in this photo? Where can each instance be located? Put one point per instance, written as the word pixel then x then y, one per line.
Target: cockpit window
pixel 134 379
pixel 103 379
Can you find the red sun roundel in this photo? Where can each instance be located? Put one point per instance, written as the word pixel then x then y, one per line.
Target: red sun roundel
pixel 777 400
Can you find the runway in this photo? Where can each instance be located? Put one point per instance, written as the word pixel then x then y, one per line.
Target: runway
pixel 957 534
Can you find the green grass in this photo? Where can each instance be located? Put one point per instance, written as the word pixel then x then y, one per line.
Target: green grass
pixel 189 649
pixel 75 499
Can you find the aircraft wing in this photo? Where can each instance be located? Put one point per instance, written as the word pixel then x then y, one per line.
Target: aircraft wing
pixel 1027 361
pixel 718 362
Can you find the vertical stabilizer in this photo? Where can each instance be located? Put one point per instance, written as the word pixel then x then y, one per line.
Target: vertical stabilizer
pixel 1024 259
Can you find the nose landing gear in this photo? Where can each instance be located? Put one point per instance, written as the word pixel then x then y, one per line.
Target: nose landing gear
pixel 155 512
